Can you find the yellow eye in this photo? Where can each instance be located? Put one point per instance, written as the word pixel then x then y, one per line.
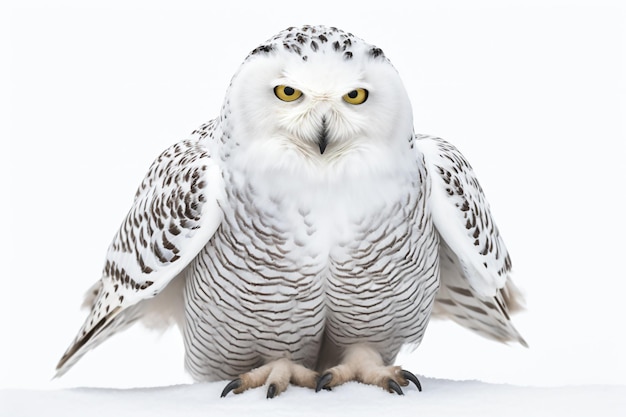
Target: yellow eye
pixel 357 96
pixel 286 93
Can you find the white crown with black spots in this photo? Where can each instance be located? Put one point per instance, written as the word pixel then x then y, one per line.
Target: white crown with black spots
pixel 307 40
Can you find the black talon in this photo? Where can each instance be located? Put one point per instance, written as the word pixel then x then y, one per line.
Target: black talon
pixel 393 386
pixel 323 381
pixel 409 376
pixel 234 384
pixel 271 391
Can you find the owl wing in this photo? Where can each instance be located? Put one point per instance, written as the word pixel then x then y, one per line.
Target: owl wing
pixel 174 214
pixel 475 290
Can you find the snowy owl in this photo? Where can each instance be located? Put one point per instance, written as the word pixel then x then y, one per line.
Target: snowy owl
pixel 306 234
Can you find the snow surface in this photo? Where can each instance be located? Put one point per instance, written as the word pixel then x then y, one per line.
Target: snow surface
pixel 439 398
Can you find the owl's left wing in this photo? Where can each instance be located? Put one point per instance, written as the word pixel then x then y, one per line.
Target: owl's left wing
pixel 175 213
pixel 476 290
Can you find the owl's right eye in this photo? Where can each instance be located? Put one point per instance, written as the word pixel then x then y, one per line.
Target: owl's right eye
pixel 286 93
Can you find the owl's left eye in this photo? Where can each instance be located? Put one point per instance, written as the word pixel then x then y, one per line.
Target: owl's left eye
pixel 357 96
pixel 286 93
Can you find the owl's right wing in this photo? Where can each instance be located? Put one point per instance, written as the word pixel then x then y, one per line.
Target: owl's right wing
pixel 175 213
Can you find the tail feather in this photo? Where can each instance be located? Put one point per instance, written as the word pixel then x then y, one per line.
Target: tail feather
pixel 92 334
pixel 487 316
pixel 84 343
pixel 106 319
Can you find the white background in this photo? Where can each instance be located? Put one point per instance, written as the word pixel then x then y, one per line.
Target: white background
pixel 532 92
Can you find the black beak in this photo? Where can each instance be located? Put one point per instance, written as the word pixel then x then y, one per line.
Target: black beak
pixel 323 137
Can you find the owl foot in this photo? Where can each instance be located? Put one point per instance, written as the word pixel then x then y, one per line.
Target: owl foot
pixel 363 364
pixel 277 375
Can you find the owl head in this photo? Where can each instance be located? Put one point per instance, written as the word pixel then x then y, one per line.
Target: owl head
pixel 317 99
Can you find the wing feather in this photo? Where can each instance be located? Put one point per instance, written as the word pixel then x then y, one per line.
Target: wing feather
pixel 175 213
pixel 476 290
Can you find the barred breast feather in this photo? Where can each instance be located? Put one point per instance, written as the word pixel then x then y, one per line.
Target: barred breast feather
pixel 294 267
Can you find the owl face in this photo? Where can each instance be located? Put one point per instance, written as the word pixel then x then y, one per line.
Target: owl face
pixel 318 97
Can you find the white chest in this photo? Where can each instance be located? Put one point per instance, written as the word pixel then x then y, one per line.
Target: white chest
pixel 306 221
